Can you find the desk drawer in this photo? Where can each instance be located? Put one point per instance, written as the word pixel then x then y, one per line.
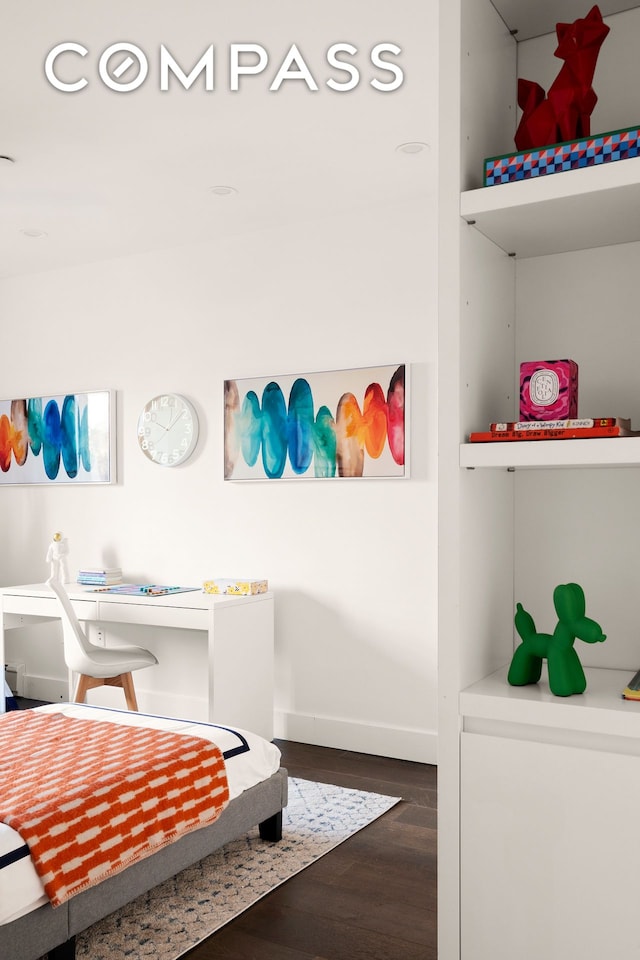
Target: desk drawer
pixel 178 618
pixel 46 607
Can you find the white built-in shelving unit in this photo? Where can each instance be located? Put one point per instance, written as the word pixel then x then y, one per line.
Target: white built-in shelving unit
pixel 609 452
pixel 538 795
pixel 594 207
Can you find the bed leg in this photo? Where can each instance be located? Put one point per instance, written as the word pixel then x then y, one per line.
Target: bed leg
pixel 271 829
pixel 64 951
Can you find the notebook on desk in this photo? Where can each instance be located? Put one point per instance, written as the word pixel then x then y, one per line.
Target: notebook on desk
pixel 143 589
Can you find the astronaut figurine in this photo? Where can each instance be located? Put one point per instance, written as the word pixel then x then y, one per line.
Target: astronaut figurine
pixel 57 557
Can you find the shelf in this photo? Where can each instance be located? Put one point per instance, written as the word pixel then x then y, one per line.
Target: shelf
pixel 543 454
pixel 573 210
pixel 599 710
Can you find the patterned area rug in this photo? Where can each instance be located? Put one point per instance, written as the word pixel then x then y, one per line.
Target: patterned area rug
pixel 175 916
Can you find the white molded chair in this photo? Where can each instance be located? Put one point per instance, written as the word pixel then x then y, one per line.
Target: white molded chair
pixel 97 666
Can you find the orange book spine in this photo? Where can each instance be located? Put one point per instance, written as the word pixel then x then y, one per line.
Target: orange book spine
pixel 574 424
pixel 488 436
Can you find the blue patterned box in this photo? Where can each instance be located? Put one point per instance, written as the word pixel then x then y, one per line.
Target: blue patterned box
pixel 571 155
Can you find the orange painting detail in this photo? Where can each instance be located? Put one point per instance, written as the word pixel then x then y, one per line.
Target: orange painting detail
pixel 6 442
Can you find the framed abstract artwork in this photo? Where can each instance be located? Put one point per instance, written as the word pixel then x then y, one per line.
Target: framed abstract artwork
pixel 68 438
pixel 332 425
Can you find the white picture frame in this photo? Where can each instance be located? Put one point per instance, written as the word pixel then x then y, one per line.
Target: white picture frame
pixel 58 439
pixel 330 425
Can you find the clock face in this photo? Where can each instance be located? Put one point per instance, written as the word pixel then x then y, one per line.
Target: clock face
pixel 168 429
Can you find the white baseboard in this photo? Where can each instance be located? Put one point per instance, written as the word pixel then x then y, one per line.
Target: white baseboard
pixel 165 704
pixel 45 688
pixel 397 742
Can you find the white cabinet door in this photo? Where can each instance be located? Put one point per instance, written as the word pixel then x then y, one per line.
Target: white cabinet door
pixel 548 866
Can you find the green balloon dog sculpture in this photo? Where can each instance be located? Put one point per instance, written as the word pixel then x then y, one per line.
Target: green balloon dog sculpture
pixel 566 675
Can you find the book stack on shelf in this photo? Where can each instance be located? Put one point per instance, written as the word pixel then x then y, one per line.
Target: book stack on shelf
pixel 100 576
pixel 571 429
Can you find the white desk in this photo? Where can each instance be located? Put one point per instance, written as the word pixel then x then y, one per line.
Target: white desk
pixel 239 638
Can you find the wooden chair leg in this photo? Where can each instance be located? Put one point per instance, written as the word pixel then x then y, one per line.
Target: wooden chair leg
pixel 123 680
pixel 84 684
pixel 129 691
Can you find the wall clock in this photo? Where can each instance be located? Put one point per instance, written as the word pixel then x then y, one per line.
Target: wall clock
pixel 168 429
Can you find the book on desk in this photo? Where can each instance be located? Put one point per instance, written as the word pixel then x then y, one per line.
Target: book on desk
pixel 100 576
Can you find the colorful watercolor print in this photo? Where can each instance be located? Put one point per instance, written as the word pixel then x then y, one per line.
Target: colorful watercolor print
pixel 346 423
pixel 65 439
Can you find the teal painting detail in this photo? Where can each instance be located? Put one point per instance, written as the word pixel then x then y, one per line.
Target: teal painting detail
pixel 84 439
pixel 250 428
pixel 348 423
pixel 324 444
pixel 84 445
pixel 274 431
pixel 35 424
pixel 301 426
pixel 52 439
pixel 69 436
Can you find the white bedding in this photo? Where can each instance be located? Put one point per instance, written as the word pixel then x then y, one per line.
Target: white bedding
pixel 248 759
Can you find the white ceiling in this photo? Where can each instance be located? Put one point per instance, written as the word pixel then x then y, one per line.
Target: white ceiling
pixel 107 174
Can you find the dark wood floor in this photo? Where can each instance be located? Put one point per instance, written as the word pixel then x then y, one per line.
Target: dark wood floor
pixel 372 898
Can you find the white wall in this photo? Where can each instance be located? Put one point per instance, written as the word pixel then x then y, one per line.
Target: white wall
pixel 352 564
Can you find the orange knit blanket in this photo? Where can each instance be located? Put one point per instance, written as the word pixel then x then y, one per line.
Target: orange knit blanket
pixel 89 797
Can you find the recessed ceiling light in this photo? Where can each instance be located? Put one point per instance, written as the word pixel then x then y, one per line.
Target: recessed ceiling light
pixel 413 146
pixel 223 191
pixel 34 234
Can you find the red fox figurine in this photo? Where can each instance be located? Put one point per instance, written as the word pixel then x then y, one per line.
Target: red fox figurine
pixel 565 112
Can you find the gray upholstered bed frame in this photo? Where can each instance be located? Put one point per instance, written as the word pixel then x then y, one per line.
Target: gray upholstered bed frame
pixel 53 931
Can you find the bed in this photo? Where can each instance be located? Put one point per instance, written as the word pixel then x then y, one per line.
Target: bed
pixel 257 793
